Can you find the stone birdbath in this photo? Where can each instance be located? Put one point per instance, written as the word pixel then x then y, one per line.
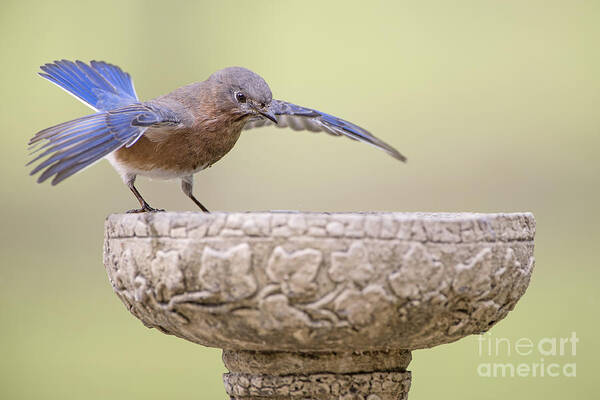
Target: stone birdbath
pixel 319 305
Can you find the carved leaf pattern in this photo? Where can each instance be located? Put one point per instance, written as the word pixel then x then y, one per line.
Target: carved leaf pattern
pixel 165 266
pixel 474 277
pixel 352 265
pixel 419 274
pixel 125 270
pixel 228 273
pixel 360 307
pixel 295 272
pixel 276 311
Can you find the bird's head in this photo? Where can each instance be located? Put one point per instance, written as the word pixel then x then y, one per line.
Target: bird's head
pixel 243 92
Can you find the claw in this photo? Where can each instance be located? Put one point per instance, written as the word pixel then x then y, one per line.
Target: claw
pixel 145 208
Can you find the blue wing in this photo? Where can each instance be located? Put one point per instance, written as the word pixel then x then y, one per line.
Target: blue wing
pixel 302 118
pixel 72 146
pixel 100 85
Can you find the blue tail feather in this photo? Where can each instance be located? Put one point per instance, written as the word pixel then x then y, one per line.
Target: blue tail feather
pixel 101 131
pixel 121 120
pixel 75 145
pixel 68 155
pixel 52 132
pixel 66 131
pixel 102 86
pixel 94 150
pixel 72 146
pixel 120 80
pixel 65 141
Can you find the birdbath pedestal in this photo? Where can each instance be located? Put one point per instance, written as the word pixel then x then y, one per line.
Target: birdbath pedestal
pixel 319 305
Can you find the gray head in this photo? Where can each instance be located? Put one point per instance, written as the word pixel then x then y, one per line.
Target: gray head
pixel 244 91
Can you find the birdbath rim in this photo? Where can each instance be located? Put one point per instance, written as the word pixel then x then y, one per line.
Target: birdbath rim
pixel 423 214
pixel 307 281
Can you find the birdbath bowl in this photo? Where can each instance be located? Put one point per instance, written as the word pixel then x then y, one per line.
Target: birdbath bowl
pixel 319 305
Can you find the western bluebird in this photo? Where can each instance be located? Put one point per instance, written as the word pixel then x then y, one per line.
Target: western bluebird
pixel 171 136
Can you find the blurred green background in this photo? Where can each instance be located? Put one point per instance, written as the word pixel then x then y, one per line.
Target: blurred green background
pixel 495 104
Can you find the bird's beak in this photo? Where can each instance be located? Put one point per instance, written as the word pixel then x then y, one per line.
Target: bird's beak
pixel 269 115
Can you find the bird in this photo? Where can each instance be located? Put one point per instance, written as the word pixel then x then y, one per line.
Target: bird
pixel 172 136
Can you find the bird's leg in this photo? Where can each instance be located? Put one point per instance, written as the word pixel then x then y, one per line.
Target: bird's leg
pixel 187 184
pixel 144 207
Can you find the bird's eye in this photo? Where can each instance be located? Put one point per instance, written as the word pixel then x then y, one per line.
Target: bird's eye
pixel 240 97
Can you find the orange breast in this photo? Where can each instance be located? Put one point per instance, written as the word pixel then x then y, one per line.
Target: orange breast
pixel 182 151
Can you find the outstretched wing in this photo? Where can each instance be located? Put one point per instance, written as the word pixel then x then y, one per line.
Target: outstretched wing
pixel 301 118
pixel 100 85
pixel 72 146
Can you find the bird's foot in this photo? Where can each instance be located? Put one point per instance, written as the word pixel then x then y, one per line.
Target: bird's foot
pixel 145 208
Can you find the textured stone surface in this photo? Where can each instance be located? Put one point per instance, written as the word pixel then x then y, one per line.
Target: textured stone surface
pixel 327 375
pixel 319 282
pixel 365 386
pixel 287 363
pixel 315 305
